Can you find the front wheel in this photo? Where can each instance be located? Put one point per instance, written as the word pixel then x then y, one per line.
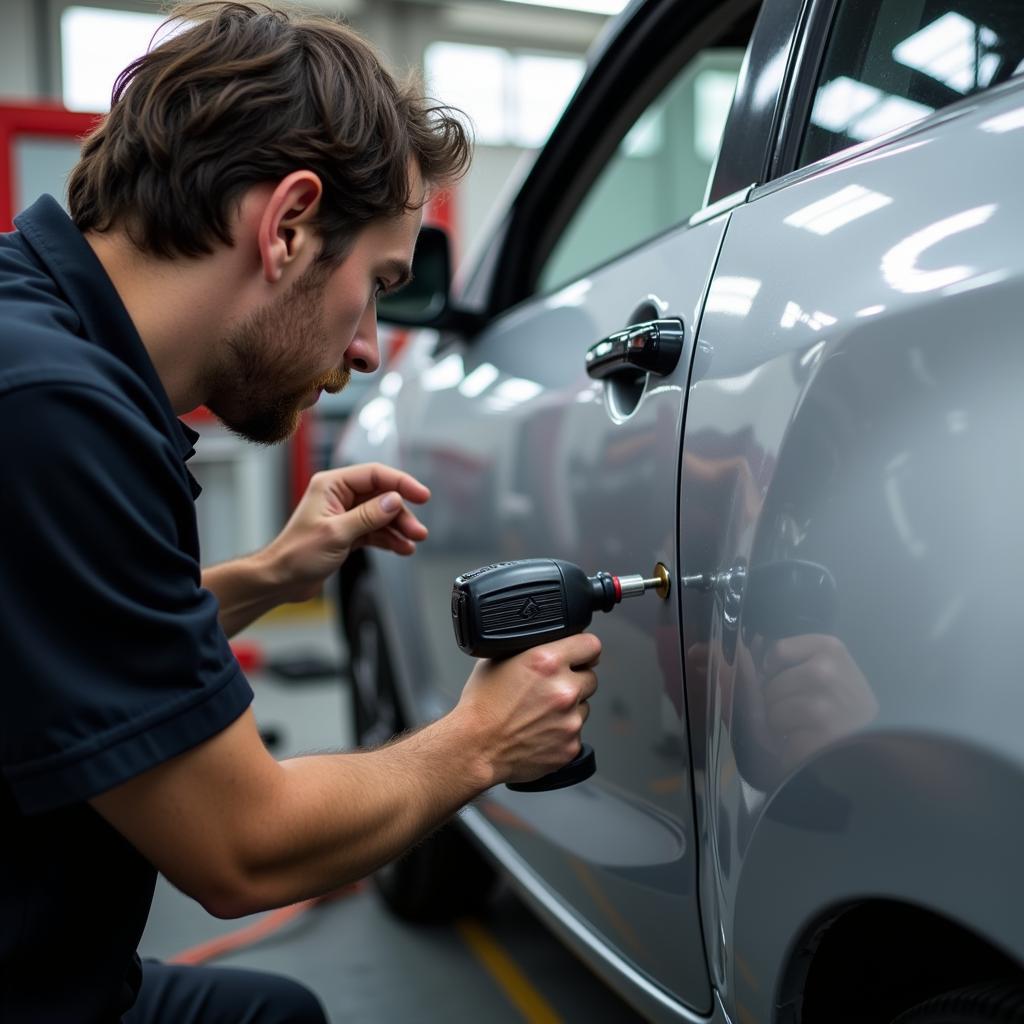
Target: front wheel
pixel 444 876
pixel 999 1002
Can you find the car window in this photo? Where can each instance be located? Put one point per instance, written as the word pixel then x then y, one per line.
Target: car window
pixel 658 174
pixel 889 63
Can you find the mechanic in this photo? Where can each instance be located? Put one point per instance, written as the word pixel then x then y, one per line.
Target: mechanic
pixel 258 182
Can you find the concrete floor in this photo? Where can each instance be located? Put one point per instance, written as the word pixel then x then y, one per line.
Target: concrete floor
pixel 362 963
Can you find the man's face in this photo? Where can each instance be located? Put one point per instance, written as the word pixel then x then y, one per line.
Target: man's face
pixel 279 359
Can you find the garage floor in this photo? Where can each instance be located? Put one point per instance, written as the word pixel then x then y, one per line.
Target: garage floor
pixel 362 963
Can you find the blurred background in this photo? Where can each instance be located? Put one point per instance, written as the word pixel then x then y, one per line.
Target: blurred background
pixel 510 65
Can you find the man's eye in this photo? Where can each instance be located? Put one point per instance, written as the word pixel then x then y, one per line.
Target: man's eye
pixel 381 289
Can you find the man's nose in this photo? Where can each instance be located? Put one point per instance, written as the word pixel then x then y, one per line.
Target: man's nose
pixel 363 355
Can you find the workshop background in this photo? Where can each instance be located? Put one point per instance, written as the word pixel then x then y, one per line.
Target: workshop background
pixel 511 66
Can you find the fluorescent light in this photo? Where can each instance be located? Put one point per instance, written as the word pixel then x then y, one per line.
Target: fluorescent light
pixel 794 314
pixel 842 100
pixel 572 295
pixel 825 215
pixel 733 295
pixel 892 113
pixel 948 50
pixel 446 374
pixel 516 389
pixel 790 315
pixel 479 380
pixel 899 264
pixel 96 45
pixel 1008 122
pixel 590 6
pixel 377 412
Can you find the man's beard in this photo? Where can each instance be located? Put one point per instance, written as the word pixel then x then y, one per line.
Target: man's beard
pixel 256 392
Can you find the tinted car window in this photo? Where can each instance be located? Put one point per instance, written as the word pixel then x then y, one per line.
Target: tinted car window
pixel 658 174
pixel 891 62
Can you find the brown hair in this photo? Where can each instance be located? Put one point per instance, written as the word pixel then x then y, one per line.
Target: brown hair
pixel 245 94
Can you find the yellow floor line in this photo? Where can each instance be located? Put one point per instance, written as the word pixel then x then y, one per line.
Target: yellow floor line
pixel 316 608
pixel 503 969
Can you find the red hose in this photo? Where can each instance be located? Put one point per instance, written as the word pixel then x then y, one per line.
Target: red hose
pixel 253 933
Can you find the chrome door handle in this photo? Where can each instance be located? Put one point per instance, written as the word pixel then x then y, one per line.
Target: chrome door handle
pixel 651 347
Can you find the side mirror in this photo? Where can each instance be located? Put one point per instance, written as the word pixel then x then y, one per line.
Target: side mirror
pixel 423 302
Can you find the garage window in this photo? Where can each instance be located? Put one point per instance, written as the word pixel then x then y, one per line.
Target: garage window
pixel 96 44
pixel 892 62
pixel 511 99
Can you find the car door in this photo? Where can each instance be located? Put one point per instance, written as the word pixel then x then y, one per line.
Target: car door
pixel 849 480
pixel 528 455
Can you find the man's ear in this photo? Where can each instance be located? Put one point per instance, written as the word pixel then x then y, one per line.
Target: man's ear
pixel 285 232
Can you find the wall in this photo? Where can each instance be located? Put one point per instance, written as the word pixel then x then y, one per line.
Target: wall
pixel 401 29
pixel 20 64
pixel 232 519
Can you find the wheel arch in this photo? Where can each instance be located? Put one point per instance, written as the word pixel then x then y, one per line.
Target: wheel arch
pixel 903 954
pixel 919 829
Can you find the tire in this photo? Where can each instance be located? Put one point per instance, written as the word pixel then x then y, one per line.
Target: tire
pixel 997 1002
pixel 375 711
pixel 445 876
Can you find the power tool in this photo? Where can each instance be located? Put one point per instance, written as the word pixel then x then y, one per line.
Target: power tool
pixel 501 609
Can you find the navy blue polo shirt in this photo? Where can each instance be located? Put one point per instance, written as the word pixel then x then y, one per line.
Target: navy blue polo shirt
pixel 111 656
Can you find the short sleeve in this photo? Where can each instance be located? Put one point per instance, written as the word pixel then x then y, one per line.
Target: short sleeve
pixel 114 660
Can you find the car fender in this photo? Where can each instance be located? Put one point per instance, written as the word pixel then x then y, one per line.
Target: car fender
pixel 838 832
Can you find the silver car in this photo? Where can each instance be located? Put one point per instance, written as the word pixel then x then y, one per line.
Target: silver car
pixel 809 801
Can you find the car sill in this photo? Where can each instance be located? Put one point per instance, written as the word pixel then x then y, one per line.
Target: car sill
pixel 651 1000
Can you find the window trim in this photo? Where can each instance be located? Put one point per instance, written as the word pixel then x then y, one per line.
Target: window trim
pixel 790 175
pixel 545 204
pixel 798 97
pixel 748 142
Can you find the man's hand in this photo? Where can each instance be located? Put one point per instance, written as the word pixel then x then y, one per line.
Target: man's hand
pixel 529 710
pixel 814 694
pixel 793 697
pixel 344 509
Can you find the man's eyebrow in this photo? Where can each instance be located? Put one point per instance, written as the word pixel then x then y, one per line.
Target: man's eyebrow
pixel 398 272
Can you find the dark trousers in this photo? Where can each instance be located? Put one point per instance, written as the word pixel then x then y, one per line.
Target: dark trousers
pixel 175 994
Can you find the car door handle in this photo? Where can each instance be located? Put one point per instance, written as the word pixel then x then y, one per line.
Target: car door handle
pixel 651 347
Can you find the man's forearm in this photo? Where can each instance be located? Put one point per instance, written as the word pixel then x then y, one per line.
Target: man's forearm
pixel 245 588
pixel 241 832
pixel 335 818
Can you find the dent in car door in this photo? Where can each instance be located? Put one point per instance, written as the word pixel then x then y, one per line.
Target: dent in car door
pixel 527 456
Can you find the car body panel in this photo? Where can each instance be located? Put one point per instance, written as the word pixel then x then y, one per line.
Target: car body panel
pixel 855 404
pixel 852 408
pixel 526 456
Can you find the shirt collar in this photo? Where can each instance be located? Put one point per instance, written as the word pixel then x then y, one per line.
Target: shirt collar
pixel 63 250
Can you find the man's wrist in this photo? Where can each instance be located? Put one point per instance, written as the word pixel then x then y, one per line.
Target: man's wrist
pixel 266 571
pixel 271 576
pixel 472 740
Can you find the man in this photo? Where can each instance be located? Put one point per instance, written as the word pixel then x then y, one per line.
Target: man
pixel 257 184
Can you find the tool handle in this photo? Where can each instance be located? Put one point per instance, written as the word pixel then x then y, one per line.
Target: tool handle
pixel 581 767
pixel 504 608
